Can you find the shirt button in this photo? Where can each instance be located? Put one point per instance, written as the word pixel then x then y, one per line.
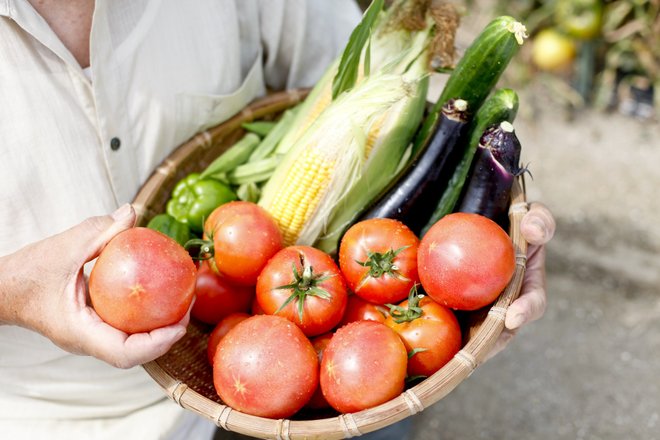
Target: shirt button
pixel 115 143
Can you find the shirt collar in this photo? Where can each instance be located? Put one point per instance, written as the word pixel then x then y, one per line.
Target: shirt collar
pixel 22 12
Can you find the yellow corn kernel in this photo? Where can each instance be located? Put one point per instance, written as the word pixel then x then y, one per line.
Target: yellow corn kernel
pixel 299 196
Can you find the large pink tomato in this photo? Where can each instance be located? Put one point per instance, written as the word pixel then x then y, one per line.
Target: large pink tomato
pixel 142 280
pixel 265 366
pixel 465 261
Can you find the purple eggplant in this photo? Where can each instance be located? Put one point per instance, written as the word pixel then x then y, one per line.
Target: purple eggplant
pixel 495 166
pixel 414 195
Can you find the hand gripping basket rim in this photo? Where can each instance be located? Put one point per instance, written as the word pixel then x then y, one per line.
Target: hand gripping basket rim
pixel 177 380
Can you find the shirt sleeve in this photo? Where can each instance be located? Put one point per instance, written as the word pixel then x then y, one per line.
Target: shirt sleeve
pixel 300 38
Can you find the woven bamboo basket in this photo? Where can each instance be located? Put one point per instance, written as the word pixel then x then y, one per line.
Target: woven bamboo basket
pixel 185 374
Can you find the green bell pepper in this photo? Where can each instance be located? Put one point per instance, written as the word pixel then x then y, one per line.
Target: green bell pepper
pixel 193 199
pixel 171 227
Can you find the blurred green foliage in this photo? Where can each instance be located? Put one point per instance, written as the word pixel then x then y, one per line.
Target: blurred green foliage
pixel 618 48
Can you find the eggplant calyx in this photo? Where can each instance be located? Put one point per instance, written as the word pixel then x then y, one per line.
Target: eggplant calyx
pixel 305 283
pixel 505 147
pixel 456 109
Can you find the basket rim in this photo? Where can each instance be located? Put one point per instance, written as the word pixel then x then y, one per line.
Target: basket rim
pixel 412 400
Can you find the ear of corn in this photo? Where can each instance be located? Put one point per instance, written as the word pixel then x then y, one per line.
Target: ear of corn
pixel 315 102
pixel 387 147
pixel 351 150
pixel 325 162
pixel 341 155
pixel 389 41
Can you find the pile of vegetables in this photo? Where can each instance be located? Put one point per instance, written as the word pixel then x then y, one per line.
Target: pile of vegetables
pixel 319 237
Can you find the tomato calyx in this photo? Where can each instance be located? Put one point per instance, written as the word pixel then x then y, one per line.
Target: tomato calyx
pixel 200 249
pixel 412 310
pixel 305 283
pixel 382 263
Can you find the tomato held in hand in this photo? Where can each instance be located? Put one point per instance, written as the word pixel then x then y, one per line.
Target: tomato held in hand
pixel 304 285
pixel 216 297
pixel 430 332
pixel 265 366
pixel 142 280
pixel 220 330
pixel 465 261
pixel 364 365
pixel 244 238
pixel 378 258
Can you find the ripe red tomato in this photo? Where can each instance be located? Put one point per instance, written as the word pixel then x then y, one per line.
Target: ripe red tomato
pixel 220 330
pixel 358 309
pixel 265 366
pixel 364 365
pixel 319 343
pixel 430 332
pixel 244 237
pixel 142 280
pixel 465 261
pixel 304 285
pixel 378 258
pixel 216 297
pixel 256 308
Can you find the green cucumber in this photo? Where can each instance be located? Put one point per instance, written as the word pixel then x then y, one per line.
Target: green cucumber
pixel 171 227
pixel 478 70
pixel 501 106
pixel 481 66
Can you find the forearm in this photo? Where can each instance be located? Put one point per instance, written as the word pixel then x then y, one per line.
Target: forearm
pixel 17 292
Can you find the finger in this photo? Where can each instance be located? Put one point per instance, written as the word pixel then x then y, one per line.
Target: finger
pixel 104 228
pixel 88 238
pixel 531 304
pixel 538 225
pixel 149 346
pixel 126 351
pixel 141 348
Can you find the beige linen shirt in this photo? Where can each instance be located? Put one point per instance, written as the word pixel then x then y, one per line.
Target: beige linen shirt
pixel 73 146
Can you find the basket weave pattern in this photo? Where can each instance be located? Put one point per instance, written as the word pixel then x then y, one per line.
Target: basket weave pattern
pixel 184 372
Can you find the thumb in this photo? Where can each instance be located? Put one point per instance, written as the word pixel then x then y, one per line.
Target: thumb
pixel 91 236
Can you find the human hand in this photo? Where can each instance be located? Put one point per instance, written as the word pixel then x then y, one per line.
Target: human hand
pixel 537 227
pixel 44 289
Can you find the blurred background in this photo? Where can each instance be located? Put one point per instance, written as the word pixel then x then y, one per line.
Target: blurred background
pixel 588 123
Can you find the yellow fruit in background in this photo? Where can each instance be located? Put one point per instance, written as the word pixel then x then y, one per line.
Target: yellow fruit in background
pixel 552 50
